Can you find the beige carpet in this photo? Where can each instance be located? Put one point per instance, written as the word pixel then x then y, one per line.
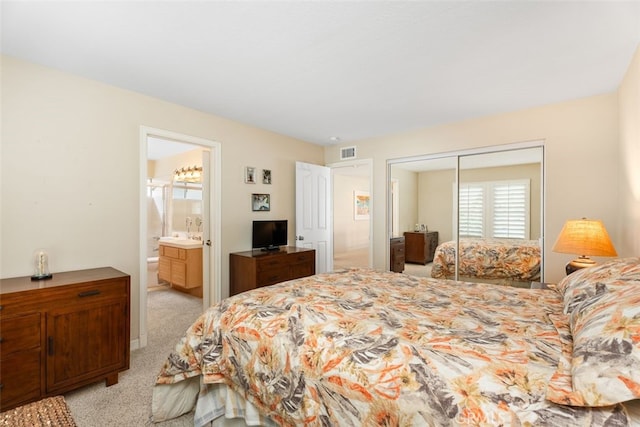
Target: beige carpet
pixel 128 403
pixel 360 258
pixel 418 269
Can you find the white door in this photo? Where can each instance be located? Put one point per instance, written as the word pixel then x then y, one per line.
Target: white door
pixel 313 213
pixel 206 227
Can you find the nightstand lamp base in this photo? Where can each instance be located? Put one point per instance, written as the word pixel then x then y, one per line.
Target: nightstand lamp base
pixel 578 263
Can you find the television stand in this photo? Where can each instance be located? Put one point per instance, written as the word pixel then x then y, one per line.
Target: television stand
pixel 270 249
pixel 254 269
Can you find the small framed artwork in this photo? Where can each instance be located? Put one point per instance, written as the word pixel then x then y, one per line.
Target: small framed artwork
pixel 260 202
pixel 361 205
pixel 250 175
pixel 266 176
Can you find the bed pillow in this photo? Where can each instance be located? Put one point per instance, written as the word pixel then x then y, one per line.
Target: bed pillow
pixel 604 321
pixel 589 284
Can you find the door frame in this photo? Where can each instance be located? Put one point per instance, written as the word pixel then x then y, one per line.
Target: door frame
pixel 368 165
pixel 212 291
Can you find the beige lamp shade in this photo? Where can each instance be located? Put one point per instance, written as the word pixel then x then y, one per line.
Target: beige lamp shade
pixel 584 237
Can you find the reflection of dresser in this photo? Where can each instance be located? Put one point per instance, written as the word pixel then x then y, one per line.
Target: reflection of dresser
pixel 396 254
pixel 420 246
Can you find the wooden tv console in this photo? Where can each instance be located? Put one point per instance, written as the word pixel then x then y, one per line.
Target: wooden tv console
pixel 253 269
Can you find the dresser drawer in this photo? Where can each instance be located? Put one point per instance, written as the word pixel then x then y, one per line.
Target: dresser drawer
pixel 273 275
pixel 271 262
pixel 302 257
pixel 20 378
pixel 19 333
pixel 93 292
pixel 302 270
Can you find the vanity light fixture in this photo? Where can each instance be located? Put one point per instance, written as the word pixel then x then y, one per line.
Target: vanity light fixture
pixel 188 174
pixel 584 237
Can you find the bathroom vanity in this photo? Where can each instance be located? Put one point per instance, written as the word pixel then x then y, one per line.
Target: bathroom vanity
pixel 180 264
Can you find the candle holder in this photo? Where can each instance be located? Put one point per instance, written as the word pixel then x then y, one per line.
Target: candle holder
pixel 41 264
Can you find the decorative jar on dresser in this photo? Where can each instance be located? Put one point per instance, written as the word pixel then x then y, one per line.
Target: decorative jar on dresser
pixel 63 333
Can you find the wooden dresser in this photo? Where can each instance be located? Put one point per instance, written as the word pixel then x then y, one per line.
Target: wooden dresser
pixel 396 254
pixel 253 269
pixel 420 246
pixel 60 334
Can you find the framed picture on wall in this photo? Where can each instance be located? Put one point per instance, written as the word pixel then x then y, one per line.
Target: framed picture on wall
pixel 260 202
pixel 266 176
pixel 250 175
pixel 361 205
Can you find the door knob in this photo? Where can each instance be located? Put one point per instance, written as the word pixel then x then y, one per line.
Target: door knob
pixel 208 242
pixel 300 237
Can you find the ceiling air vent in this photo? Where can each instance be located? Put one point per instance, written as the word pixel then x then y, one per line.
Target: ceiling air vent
pixel 347 153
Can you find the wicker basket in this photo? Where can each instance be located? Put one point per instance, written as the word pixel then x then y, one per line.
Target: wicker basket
pixel 50 412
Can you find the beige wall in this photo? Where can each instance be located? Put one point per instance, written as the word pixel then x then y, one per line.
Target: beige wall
pixel 582 162
pixel 629 105
pixel 71 163
pixel 436 202
pixel 407 199
pixel 348 233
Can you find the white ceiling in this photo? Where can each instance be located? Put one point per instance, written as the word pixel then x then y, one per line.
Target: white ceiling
pixel 351 69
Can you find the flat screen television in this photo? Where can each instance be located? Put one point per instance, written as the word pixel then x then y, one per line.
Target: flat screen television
pixel 269 235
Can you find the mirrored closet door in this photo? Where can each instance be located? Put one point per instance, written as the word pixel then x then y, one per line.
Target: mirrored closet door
pixel 473 215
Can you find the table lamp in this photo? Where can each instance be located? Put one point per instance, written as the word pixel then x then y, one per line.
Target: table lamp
pixel 583 237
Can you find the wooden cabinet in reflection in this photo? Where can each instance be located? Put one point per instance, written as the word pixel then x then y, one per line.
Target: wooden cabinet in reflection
pixel 420 246
pixel 396 251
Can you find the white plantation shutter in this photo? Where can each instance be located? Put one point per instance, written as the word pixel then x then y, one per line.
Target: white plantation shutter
pixel 497 209
pixel 511 210
pixel 471 208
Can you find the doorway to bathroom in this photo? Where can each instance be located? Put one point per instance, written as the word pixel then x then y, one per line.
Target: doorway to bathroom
pixel 179 218
pixel 175 216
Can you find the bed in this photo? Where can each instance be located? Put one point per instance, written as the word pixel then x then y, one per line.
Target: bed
pixel 363 347
pixel 493 259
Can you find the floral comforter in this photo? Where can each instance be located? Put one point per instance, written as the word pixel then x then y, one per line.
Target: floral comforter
pixel 511 259
pixel 361 347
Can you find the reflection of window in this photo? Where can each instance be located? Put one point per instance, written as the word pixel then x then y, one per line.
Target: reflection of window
pixel 497 209
pixel 187 193
pixel 471 219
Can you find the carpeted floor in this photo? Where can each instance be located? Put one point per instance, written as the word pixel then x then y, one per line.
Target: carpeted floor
pixel 360 258
pixel 128 403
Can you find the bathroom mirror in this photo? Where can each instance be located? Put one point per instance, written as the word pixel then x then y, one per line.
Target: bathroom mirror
pixel 493 193
pixel 186 208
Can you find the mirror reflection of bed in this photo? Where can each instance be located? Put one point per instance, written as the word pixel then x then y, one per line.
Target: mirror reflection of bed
pixel 493 214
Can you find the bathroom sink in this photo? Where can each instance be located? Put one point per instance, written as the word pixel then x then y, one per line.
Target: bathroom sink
pixel 181 242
